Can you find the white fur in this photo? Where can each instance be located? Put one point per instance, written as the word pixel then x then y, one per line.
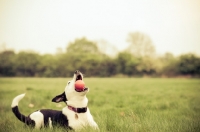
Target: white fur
pixel 38 117
pixel 50 122
pixel 84 119
pixel 16 100
pixel 77 100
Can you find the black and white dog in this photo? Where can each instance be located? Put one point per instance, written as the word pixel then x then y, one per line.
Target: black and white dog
pixel 74 116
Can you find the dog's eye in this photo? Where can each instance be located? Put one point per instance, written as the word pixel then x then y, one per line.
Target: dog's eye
pixel 68 82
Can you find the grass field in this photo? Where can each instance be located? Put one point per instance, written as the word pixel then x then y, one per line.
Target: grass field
pixel 117 104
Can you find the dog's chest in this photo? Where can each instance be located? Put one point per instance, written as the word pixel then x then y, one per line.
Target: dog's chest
pixel 77 120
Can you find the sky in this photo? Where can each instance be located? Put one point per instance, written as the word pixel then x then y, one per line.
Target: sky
pixel 45 25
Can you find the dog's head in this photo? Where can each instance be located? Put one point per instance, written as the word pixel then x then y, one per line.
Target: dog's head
pixel 72 96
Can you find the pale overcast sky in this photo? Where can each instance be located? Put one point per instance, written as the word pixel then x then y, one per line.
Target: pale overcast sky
pixel 45 25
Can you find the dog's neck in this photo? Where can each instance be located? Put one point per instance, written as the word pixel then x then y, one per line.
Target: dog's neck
pixel 77 103
pixel 78 110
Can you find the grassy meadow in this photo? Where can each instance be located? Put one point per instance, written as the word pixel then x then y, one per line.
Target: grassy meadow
pixel 117 104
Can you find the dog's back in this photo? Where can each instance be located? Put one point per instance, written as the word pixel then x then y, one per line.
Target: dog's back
pixel 53 117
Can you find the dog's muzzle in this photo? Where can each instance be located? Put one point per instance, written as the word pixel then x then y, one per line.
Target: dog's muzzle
pixel 79 75
pixel 85 89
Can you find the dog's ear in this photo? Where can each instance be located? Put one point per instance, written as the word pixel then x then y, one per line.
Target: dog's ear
pixel 59 98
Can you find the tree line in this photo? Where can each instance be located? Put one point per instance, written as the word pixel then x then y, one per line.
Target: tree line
pixel 85 55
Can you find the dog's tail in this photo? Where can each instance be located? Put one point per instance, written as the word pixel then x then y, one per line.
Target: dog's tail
pixel 15 109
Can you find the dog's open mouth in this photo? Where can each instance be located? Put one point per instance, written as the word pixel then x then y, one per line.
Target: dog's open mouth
pixel 81 90
pixel 79 77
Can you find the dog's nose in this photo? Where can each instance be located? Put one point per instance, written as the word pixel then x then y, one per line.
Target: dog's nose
pixel 77 71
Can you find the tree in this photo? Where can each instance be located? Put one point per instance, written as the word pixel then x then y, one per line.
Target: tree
pixel 140 45
pixel 82 46
pixel 7 63
pixel 146 66
pixel 107 67
pixel 47 66
pixel 84 55
pixel 126 63
pixel 107 48
pixel 26 64
pixel 189 64
pixel 168 65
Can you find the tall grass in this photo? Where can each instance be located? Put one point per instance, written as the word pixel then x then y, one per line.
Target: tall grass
pixel 117 104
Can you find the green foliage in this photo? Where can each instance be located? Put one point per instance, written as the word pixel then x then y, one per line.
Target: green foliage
pixel 84 55
pixel 107 67
pixel 82 46
pixel 189 64
pixel 47 66
pixel 117 104
pixel 169 64
pixel 126 63
pixel 147 66
pixel 26 64
pixel 140 45
pixel 186 64
pixel 6 63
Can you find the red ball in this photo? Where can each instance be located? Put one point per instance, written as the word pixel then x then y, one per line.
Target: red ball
pixel 79 85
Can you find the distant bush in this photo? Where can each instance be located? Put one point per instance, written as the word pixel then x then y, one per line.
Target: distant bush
pixel 88 59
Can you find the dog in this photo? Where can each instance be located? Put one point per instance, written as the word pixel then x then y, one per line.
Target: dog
pixel 75 115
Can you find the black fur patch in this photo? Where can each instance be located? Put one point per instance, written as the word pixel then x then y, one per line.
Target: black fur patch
pixel 56 116
pixel 23 118
pixel 60 98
